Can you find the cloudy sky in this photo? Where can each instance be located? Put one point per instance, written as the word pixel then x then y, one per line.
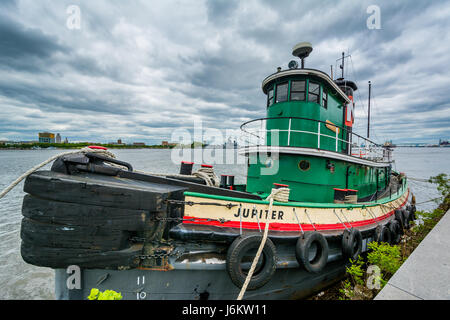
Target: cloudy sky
pixel 138 70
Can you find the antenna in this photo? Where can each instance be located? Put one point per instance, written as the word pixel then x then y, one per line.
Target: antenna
pixel 368 116
pixel 302 50
pixel 342 65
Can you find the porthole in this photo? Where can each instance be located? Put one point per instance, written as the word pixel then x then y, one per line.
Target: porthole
pixel 269 163
pixel 304 165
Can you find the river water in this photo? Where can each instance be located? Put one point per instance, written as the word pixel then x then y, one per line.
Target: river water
pixel 19 280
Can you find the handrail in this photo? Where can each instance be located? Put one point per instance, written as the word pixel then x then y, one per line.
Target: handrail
pixel 300 118
pixel 371 150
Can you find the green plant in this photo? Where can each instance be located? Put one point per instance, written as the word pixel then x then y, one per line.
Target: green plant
pixel 382 255
pixel 106 295
pixel 443 186
pixel 355 271
pixel 388 258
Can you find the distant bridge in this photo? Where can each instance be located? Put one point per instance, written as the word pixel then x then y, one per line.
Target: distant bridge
pixel 412 144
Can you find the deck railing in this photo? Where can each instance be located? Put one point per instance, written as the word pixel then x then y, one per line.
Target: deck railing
pixel 255 133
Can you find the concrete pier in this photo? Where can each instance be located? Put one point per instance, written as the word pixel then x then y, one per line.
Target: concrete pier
pixel 425 275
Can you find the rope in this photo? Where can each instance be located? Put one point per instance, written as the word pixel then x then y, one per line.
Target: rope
pixel 419 179
pixel 278 194
pixel 208 175
pixel 438 198
pixel 35 168
pixel 340 219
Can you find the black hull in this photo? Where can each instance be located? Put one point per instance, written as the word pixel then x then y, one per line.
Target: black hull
pixel 118 227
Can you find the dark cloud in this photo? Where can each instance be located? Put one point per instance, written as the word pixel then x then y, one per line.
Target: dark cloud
pixel 141 71
pixel 23 48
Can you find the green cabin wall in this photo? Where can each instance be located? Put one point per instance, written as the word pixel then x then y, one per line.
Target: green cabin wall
pixel 304 109
pixel 315 184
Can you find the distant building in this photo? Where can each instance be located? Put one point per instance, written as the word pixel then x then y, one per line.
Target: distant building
pixel 66 140
pixel 139 144
pixel 117 143
pixel 58 138
pixel 168 144
pixel 46 137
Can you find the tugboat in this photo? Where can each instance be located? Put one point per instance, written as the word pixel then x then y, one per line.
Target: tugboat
pixel 316 194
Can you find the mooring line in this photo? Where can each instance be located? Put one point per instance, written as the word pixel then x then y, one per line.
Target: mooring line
pixel 310 220
pixel 334 210
pixel 295 214
pixel 346 219
pixel 374 217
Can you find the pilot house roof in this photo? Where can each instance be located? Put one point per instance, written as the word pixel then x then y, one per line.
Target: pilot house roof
pixel 304 72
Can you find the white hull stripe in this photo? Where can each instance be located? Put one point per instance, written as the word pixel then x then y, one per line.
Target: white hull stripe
pixel 312 152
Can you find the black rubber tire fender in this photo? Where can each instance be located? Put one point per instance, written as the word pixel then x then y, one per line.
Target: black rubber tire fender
pixel 84 258
pixel 58 212
pixel 303 251
pixel 396 231
pixel 399 217
pixel 237 250
pixel 73 237
pixel 407 219
pixel 99 190
pixel 383 234
pixel 351 243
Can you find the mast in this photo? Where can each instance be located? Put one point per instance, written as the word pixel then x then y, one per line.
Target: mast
pixel 368 111
pixel 342 65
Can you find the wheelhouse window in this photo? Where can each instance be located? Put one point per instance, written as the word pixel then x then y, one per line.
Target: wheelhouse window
pixel 314 92
pixel 282 92
pixel 270 97
pixel 324 99
pixel 298 90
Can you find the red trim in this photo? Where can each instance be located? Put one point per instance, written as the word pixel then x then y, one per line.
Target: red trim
pixel 97 147
pixel 206 166
pixel 290 226
pixel 280 185
pixel 187 162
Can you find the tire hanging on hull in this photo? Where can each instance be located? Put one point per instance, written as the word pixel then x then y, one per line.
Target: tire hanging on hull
pixel 399 217
pixel 407 219
pixel 266 266
pixel 351 243
pixel 396 231
pixel 304 250
pixel 383 234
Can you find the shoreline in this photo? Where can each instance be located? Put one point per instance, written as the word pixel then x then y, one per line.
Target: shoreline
pixel 410 241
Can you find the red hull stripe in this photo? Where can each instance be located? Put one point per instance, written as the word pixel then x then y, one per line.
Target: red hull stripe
pixel 289 226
